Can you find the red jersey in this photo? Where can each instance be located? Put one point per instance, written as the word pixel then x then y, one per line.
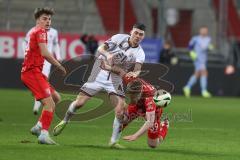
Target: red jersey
pixel 145 103
pixel 33 58
pixel 147 89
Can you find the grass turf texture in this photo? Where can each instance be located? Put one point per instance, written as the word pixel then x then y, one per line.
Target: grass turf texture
pixel 199 129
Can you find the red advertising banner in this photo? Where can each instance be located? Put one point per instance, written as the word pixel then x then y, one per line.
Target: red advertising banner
pixel 70 45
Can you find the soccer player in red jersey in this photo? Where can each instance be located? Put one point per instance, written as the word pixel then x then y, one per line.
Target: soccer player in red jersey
pixel 32 76
pixel 142 104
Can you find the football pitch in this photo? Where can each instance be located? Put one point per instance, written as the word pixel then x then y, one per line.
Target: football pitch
pixel 199 129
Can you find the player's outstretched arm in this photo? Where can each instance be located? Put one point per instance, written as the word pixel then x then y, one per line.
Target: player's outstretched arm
pixel 137 70
pixel 150 116
pixel 103 50
pixel 45 53
pixel 114 69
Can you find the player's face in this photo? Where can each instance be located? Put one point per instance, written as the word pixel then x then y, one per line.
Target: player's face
pixel 44 21
pixel 203 31
pixel 137 36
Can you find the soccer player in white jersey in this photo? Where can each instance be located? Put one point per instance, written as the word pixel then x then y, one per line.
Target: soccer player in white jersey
pixel 122 50
pixel 53 47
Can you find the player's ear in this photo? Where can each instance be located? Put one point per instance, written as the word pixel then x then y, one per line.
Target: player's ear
pixel 131 32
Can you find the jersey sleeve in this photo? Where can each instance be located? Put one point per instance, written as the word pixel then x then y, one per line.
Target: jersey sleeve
pixel 192 43
pixel 149 104
pixel 55 40
pixel 140 57
pixel 56 47
pixel 41 36
pixel 113 42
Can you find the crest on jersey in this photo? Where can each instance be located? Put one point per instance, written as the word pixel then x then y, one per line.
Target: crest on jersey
pixel 43 36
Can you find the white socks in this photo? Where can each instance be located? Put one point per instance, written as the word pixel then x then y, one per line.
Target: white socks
pixel 116 134
pixel 39 124
pixel 37 105
pixel 70 112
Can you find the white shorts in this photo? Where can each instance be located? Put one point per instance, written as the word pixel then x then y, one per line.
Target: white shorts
pixel 92 88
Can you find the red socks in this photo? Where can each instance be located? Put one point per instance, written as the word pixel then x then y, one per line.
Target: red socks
pixel 46 119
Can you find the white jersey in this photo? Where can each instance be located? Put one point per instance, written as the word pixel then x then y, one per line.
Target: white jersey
pixel 52 45
pixel 124 56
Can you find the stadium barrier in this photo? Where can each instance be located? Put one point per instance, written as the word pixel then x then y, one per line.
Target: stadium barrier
pixel 219 83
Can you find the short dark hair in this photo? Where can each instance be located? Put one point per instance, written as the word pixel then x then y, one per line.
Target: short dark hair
pixel 40 11
pixel 140 26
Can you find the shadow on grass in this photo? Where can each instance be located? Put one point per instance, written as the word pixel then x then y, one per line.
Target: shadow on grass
pixel 158 150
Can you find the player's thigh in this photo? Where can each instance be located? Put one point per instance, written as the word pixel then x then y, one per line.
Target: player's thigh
pixel 91 88
pixel 118 102
pixel 204 72
pixel 56 96
pixel 82 98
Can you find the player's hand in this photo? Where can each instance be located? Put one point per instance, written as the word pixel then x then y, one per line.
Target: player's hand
pixel 105 66
pixel 229 70
pixel 63 70
pixel 131 75
pixel 130 138
pixel 109 59
pixel 193 55
pixel 211 47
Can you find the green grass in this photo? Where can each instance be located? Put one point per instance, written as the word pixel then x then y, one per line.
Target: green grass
pixel 199 129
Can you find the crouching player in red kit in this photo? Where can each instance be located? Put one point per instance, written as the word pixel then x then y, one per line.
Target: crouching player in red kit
pixel 142 104
pixel 32 77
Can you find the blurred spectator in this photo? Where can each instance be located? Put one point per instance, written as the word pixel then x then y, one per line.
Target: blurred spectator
pixel 234 58
pixel 167 55
pixel 90 43
pixel 84 38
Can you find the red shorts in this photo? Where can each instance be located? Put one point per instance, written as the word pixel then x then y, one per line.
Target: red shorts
pixel 37 83
pixel 154 132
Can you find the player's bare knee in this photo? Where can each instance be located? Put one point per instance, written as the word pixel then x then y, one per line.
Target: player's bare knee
pixel 153 143
pixel 152 146
pixel 48 104
pixel 56 97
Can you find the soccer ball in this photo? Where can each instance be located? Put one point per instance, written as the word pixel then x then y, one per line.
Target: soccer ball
pixel 162 98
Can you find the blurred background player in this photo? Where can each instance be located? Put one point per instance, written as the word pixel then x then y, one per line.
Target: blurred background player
pixel 120 50
pixel 167 55
pixel 53 48
pixel 199 47
pixel 90 42
pixel 141 104
pixel 33 78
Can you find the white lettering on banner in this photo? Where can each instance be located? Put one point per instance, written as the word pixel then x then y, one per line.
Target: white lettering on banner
pixel 20 51
pixel 70 45
pixel 73 46
pixel 6 47
pixel 63 48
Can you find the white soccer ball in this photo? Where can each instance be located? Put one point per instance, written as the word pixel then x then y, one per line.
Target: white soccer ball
pixel 162 98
